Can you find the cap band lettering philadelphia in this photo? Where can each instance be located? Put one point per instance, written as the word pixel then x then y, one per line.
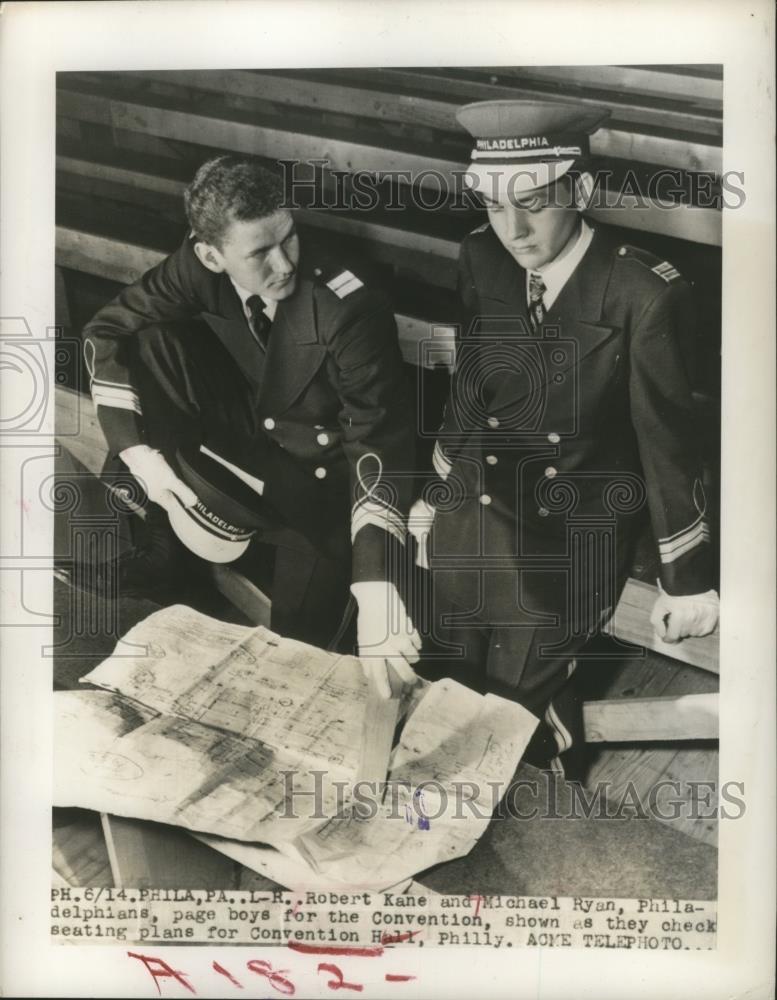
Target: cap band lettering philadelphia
pixel 202 512
pixel 525 146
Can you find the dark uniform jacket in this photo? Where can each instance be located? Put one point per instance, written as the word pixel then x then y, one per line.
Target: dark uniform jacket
pixel 555 444
pixel 330 394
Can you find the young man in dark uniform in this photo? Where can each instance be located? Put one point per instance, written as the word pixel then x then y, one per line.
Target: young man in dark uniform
pixel 285 373
pixel 570 414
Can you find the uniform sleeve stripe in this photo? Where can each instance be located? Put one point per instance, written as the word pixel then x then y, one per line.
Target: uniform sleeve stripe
pixel 441 464
pixel 124 392
pixel 114 394
pixel 118 401
pixel 112 385
pixel 382 517
pixel 670 557
pixel 700 531
pixel 119 405
pixel 684 531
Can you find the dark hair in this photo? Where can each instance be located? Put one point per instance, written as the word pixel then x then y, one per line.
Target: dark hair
pixel 230 188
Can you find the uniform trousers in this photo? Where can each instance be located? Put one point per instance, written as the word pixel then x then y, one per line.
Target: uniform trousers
pixel 522 634
pixel 462 651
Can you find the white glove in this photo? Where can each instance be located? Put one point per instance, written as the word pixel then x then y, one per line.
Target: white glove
pixel 419 524
pixel 385 633
pixel 159 480
pixel 675 618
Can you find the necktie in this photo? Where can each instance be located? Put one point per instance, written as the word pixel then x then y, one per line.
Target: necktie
pixel 536 306
pixel 260 322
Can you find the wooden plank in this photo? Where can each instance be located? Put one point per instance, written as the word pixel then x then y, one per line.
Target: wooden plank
pixel 682 222
pixel 61 304
pixel 107 258
pixel 79 856
pixel 243 594
pixel 672 777
pixel 317 95
pixel 150 855
pixel 392 236
pixel 142 180
pixel 695 773
pixel 626 772
pixel 625 80
pixel 629 720
pixel 247 137
pixel 660 150
pixel 631 623
pixel 77 428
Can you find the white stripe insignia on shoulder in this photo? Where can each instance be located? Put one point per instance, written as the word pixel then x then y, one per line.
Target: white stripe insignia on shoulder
pixel 663 268
pixel 480 229
pixel 344 283
pixel 666 271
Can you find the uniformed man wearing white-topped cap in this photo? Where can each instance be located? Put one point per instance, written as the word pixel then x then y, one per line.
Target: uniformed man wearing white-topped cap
pixel 570 417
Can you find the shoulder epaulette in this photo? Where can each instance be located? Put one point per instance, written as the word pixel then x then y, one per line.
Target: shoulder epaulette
pixel 662 268
pixel 342 283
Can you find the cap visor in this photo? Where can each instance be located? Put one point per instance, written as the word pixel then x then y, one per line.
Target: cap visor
pixel 202 540
pixel 505 182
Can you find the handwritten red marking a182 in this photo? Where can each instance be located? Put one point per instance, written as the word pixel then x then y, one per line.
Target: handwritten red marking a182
pixel 278 979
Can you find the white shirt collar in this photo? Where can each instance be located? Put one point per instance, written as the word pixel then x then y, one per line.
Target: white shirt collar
pixel 558 271
pixel 270 306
